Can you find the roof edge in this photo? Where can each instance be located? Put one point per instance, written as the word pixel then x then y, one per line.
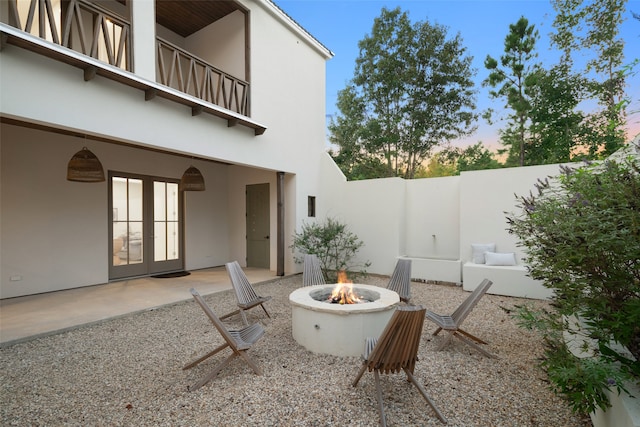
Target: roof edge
pixel 279 13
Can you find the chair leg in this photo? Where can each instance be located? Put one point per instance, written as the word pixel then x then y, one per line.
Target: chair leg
pixel 250 362
pixel 211 375
pixel 474 345
pixel 383 420
pixel 436 332
pixel 424 394
pixel 355 382
pixel 446 341
pixel 244 317
pixel 265 310
pixel 229 314
pixel 473 337
pixel 206 356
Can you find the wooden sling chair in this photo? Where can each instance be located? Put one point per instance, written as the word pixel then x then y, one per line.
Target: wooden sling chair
pixel 246 296
pixel 453 323
pixel 400 280
pixel 239 341
pixel 396 350
pixel 312 273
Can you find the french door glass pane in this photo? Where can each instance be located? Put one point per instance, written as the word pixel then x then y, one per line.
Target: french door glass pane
pixel 165 219
pixel 172 240
pixel 172 221
pixel 127 221
pixel 160 241
pixel 159 201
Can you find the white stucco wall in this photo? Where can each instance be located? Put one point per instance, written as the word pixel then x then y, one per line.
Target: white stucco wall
pixel 207 215
pixel 485 196
pixel 434 221
pixel 432 218
pixel 49 226
pixel 55 232
pixel 222 43
pixel 374 211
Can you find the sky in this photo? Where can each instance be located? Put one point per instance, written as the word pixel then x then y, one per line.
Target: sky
pixel 482 24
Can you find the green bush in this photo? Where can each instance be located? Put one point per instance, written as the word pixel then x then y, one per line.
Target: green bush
pixel 334 245
pixel 581 233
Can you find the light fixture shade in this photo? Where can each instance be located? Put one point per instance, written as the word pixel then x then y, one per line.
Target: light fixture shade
pixel 84 166
pixel 192 180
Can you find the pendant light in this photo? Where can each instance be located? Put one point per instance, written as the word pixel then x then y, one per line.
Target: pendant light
pixel 84 166
pixel 192 180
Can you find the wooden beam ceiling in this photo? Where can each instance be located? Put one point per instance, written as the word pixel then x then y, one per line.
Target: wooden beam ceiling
pixel 185 17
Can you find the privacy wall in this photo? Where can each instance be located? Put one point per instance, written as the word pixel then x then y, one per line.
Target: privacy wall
pixel 432 221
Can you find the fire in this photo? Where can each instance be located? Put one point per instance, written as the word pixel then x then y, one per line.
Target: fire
pixel 343 292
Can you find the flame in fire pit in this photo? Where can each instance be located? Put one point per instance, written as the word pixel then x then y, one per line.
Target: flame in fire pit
pixel 343 292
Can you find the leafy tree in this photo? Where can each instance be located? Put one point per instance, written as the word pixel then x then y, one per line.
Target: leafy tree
pixel 352 157
pixel 509 80
pixel 476 157
pixel 440 164
pixel 582 240
pixel 473 157
pixel 594 27
pixel 556 128
pixel 412 90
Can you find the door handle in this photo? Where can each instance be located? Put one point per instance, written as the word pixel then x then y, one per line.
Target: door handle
pixel 266 237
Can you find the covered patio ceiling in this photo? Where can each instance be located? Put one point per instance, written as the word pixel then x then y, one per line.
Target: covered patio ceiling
pixel 185 17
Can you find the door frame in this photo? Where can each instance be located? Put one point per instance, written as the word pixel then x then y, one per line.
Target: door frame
pixel 148 266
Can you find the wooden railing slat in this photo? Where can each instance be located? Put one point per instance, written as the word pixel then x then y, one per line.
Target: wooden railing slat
pixel 52 21
pixel 30 16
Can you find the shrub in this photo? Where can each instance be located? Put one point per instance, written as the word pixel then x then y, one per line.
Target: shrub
pixel 581 233
pixel 334 245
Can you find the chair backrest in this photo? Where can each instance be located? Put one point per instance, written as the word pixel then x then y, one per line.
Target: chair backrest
pixel 312 273
pixel 468 304
pixel 400 280
pixel 243 289
pixel 215 320
pixel 397 347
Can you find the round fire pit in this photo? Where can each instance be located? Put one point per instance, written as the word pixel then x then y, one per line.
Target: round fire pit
pixel 339 329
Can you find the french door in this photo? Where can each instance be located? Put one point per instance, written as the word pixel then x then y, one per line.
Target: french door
pixel 145 226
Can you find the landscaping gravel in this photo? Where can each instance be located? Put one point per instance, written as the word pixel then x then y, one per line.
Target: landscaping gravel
pixel 128 372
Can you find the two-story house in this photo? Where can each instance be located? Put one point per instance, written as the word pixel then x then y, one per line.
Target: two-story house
pixel 234 88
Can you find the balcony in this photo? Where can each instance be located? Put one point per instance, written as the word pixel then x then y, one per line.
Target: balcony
pixel 180 70
pixel 104 35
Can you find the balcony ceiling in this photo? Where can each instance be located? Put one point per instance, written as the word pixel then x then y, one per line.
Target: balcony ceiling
pixel 185 17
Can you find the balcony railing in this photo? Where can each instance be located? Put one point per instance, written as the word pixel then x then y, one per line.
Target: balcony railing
pixel 96 32
pixel 77 25
pixel 185 72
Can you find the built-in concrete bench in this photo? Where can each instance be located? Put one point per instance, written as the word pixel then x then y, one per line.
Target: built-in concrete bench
pixel 509 280
pixel 441 270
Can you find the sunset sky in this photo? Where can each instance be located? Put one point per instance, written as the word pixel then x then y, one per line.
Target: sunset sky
pixel 482 24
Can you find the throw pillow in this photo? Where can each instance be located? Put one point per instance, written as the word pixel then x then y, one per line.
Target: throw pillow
pixel 478 250
pixel 495 258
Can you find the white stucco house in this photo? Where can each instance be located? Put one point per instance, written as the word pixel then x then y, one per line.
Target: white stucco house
pixel 235 89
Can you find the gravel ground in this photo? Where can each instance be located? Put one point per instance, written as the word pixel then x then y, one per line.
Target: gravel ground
pixel 127 372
